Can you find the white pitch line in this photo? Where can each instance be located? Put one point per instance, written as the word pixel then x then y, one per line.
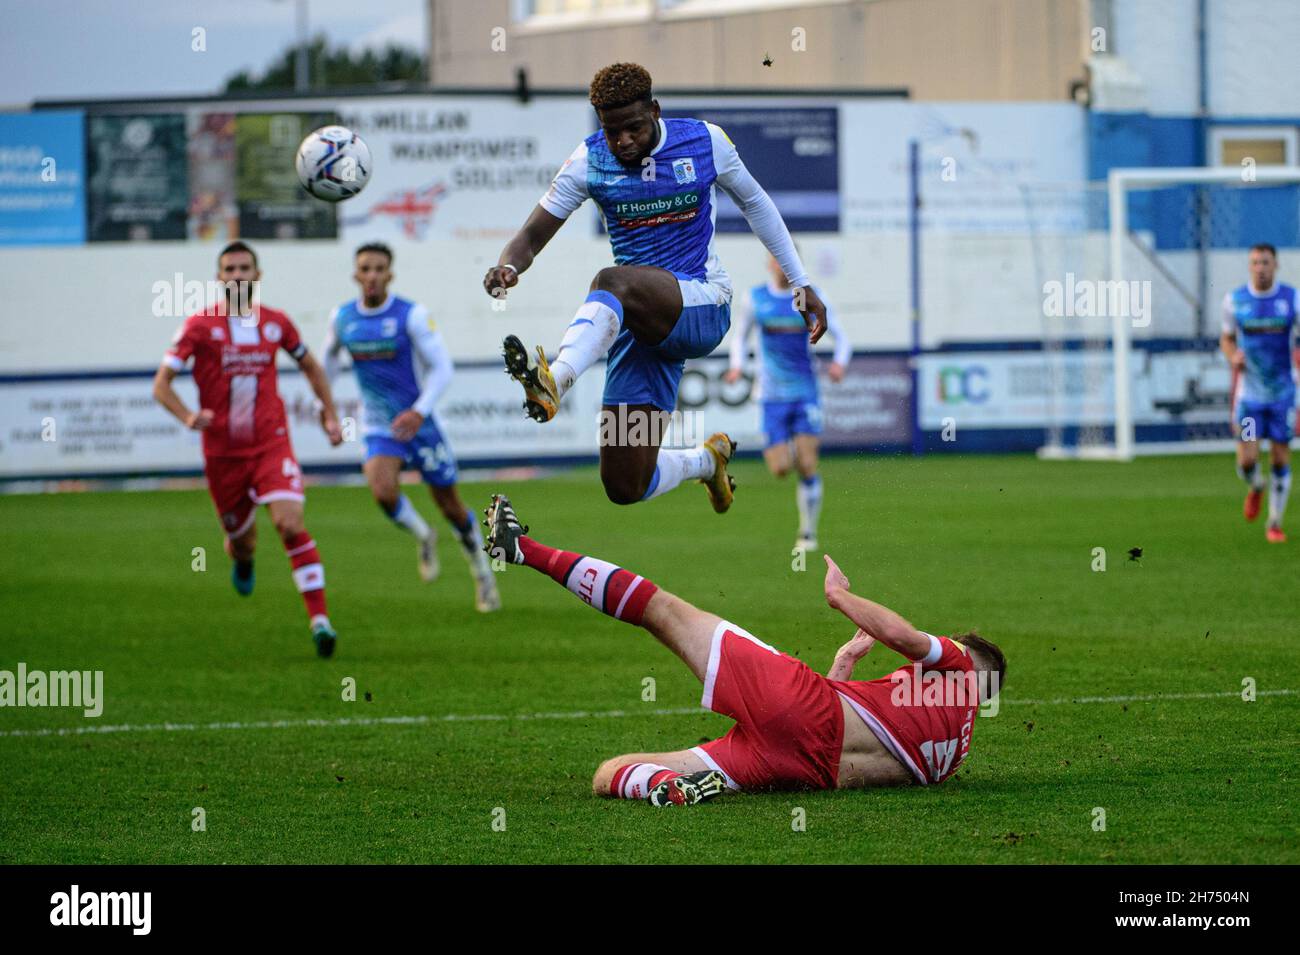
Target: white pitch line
pixel 346 721
pixel 570 715
pixel 1148 698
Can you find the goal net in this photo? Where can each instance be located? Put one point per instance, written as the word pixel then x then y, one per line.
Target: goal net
pixel 1132 274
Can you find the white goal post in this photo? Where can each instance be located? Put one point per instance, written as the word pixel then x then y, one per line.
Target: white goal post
pixel 1211 224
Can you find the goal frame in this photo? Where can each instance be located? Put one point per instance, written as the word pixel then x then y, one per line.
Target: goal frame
pixel 1118 184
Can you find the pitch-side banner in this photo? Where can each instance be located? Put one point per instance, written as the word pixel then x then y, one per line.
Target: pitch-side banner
pixel 111 425
pixel 42 179
pixel 137 175
pixel 446 168
pixel 1035 389
pixel 272 202
pixel 793 151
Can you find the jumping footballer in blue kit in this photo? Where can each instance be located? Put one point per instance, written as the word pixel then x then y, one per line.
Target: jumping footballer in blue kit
pixel 402 367
pixel 1259 326
pixel 666 299
pixel 787 388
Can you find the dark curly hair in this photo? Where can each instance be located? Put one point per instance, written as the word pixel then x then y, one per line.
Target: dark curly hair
pixel 620 84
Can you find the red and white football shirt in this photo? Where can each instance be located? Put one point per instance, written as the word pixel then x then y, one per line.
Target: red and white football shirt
pixel 926 723
pixel 234 368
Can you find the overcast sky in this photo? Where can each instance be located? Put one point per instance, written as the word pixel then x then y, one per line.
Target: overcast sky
pixel 73 49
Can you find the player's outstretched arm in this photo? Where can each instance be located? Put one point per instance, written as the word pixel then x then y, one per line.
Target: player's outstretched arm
pixel 881 622
pixel 320 386
pixel 520 251
pixel 165 395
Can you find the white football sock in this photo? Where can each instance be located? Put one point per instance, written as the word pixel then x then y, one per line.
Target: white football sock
pixel 1278 491
pixel 674 467
pixel 808 495
pixel 588 337
pixel 406 516
pixel 471 544
pixel 633 781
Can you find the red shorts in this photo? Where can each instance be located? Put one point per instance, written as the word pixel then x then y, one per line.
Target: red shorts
pixel 789 722
pixel 239 485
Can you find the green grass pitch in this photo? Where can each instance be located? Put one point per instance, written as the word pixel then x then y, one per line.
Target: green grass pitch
pixel 1005 544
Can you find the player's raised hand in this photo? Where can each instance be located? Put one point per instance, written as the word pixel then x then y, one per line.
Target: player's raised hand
pixel 329 423
pixel 498 279
pixel 835 579
pixel 406 424
pixel 199 420
pixel 808 305
pixel 859 646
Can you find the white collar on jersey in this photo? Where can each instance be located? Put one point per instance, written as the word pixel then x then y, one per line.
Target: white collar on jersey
pixel 1264 294
pixel 663 137
pixel 362 310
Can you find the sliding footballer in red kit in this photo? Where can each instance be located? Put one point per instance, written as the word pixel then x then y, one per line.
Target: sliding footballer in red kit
pixel 794 728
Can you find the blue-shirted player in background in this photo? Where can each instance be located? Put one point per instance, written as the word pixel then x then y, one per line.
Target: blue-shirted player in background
pixel 667 297
pixel 402 367
pixel 1259 323
pixel 787 388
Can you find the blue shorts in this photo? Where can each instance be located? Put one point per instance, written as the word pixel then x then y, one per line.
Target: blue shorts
pixel 428 451
pixel 782 420
pixel 638 374
pixel 1272 420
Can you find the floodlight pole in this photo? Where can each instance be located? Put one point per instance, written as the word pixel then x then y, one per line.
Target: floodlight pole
pixel 302 72
pixel 914 293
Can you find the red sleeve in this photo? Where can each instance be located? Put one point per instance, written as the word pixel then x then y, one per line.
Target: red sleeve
pixel 290 340
pixel 951 656
pixel 183 344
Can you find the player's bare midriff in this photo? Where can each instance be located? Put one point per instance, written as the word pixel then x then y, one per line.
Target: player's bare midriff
pixel 864 761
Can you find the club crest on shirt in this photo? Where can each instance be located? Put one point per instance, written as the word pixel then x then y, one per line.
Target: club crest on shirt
pixel 684 170
pixel 218 333
pixel 271 332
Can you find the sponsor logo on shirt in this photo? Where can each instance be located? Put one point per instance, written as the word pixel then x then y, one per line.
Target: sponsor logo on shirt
pixel 638 213
pixel 241 359
pixel 372 350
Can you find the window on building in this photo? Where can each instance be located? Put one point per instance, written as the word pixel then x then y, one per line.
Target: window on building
pixel 1266 145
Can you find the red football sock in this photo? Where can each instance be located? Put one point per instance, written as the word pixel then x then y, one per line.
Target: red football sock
pixel 635 780
pixel 611 590
pixel 308 573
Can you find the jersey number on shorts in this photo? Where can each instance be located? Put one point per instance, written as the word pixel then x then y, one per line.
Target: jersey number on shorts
pixel 433 458
pixel 289 468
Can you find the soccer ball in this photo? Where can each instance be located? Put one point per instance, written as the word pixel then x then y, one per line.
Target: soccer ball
pixel 333 163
